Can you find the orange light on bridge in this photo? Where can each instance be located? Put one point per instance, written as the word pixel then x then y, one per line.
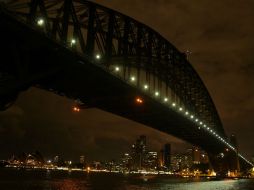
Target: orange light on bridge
pixel 139 100
pixel 76 109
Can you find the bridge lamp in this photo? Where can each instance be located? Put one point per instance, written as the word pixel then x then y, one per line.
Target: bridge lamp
pixel 73 42
pixel 200 122
pixel 117 69
pixel 98 56
pixel 139 100
pixel 191 116
pixel 156 93
pixel 196 120
pixel 174 104
pixel 180 109
pixel 40 22
pixel 76 109
pixel 145 86
pixel 186 113
pixel 133 78
pixel 165 99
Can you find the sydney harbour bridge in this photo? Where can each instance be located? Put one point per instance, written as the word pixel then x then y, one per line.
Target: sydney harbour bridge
pixel 90 53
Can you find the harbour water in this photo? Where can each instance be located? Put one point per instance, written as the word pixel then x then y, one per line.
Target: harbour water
pixel 20 179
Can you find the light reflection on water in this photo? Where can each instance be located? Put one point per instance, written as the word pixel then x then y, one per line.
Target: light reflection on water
pixel 61 180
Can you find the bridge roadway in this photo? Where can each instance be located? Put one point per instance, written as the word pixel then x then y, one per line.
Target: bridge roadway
pixel 32 59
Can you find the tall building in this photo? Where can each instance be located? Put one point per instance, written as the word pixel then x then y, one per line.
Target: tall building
pixel 150 161
pixel 167 155
pixel 161 158
pixel 82 159
pixel 56 159
pixel 127 161
pixel 196 153
pixel 138 152
pixel 204 159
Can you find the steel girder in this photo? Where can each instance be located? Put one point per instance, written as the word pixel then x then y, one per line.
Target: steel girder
pixel 124 41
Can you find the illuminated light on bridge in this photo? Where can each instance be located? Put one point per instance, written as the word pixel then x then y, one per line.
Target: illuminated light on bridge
pixel 180 109
pixel 165 99
pixel 117 69
pixel 186 113
pixel 76 109
pixel 196 120
pixel 156 93
pixel 139 100
pixel 146 87
pixel 133 78
pixel 200 122
pixel 98 56
pixel 192 117
pixel 174 104
pixel 73 42
pixel 40 22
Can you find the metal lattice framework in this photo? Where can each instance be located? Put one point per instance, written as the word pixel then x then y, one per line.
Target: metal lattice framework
pixel 135 49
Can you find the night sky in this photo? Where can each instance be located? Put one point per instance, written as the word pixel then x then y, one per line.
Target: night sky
pixel 220 35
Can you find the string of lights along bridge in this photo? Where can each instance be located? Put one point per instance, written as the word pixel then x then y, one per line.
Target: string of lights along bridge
pixel 158 96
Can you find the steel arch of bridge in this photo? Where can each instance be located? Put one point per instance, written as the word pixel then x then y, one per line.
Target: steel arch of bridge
pixel 91 29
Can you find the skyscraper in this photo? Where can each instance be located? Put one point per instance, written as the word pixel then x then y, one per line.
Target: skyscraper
pixel 196 155
pixel 167 155
pixel 138 152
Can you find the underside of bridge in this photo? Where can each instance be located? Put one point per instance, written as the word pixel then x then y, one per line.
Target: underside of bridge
pixel 31 58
